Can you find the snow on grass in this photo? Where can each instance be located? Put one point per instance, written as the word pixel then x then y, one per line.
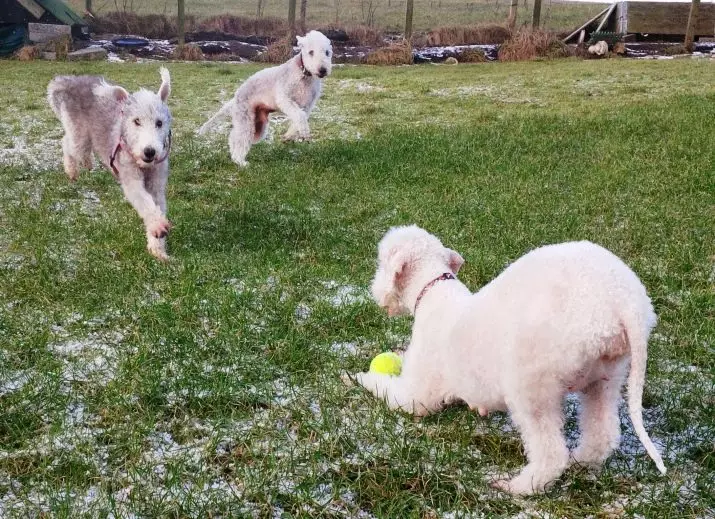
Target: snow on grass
pixel 93 358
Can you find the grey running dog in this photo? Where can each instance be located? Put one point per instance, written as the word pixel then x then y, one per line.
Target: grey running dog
pixel 131 135
pixel 292 88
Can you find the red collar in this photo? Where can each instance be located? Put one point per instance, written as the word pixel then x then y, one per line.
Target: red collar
pixel 119 146
pixel 443 277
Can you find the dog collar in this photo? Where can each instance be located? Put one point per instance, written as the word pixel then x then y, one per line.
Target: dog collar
pixel 306 72
pixel 443 277
pixel 113 156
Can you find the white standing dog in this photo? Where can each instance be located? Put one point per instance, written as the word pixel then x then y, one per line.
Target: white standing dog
pixel 292 88
pixel 131 135
pixel 566 318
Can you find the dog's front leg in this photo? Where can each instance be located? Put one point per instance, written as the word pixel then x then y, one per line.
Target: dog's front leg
pixel 156 224
pixel 155 183
pixel 296 115
pixel 400 393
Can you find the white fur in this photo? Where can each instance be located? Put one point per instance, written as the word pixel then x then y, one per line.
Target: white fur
pixel 95 116
pixel 289 88
pixel 563 318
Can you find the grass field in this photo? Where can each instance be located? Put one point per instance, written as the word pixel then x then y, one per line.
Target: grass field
pixel 386 14
pixel 210 386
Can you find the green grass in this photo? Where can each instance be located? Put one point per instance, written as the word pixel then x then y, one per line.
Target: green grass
pixel 211 385
pixel 428 14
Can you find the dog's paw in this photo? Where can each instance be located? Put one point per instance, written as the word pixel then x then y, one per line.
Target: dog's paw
pixel 517 486
pixel 159 228
pixel 347 379
pixel 158 252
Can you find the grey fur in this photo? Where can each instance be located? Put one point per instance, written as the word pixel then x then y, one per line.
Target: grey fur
pixel 96 117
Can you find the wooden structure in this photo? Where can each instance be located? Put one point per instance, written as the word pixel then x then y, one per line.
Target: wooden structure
pixel 666 19
pixel 669 18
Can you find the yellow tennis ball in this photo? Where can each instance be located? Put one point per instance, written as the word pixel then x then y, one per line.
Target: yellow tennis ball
pixel 387 363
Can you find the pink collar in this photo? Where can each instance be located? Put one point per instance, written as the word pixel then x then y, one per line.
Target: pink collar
pixel 119 146
pixel 443 277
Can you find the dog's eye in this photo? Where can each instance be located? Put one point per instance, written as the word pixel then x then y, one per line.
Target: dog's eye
pixel 159 123
pixel 311 52
pixel 327 53
pixel 137 122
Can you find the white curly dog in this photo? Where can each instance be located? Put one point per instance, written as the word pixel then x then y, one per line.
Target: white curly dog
pixel 565 318
pixel 131 135
pixel 292 88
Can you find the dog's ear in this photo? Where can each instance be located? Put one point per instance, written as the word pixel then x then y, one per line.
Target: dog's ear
pixel 115 92
pixel 165 88
pixel 454 260
pixel 300 40
pixel 397 265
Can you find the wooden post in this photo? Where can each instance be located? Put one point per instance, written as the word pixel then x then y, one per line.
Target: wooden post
pixel 259 9
pixel 511 21
pixel 180 15
pixel 88 6
pixel 692 21
pixel 291 22
pixel 303 9
pixel 408 19
pixel 536 18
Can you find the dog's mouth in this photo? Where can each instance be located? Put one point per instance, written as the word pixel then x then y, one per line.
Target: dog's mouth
pixel 148 160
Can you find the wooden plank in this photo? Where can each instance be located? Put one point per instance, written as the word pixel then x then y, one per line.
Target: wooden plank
pixel 32 7
pixel 668 18
pixel 39 32
pixel 606 17
pixel 567 38
pixel 622 18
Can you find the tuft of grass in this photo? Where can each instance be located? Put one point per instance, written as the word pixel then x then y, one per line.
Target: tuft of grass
pixel 467 35
pixel 277 52
pixel 188 52
pixel 28 53
pixel 527 44
pixel 399 53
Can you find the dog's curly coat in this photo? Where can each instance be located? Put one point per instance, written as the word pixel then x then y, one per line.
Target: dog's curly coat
pixel 563 318
pixel 131 135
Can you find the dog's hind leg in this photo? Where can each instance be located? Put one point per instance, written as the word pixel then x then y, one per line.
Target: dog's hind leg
pixel 242 135
pixel 540 422
pixel 599 422
pixel 69 156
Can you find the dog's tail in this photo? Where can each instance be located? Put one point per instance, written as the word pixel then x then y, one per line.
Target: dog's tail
pixel 223 112
pixel 53 88
pixel 638 328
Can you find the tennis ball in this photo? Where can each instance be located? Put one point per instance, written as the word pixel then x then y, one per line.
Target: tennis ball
pixel 387 363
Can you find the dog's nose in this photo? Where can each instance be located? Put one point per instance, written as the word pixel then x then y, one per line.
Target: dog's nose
pixel 322 71
pixel 149 152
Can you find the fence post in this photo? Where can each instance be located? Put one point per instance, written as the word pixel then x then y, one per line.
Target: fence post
pixel 181 28
pixel 511 21
pixel 408 19
pixel 536 18
pixel 291 22
pixel 692 21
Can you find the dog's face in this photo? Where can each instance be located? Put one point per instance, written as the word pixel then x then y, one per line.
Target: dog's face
pixel 145 121
pixel 317 53
pixel 403 254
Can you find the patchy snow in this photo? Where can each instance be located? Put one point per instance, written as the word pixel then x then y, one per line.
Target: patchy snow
pixel 37 154
pixel 361 87
pixel 343 295
pixel 13 382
